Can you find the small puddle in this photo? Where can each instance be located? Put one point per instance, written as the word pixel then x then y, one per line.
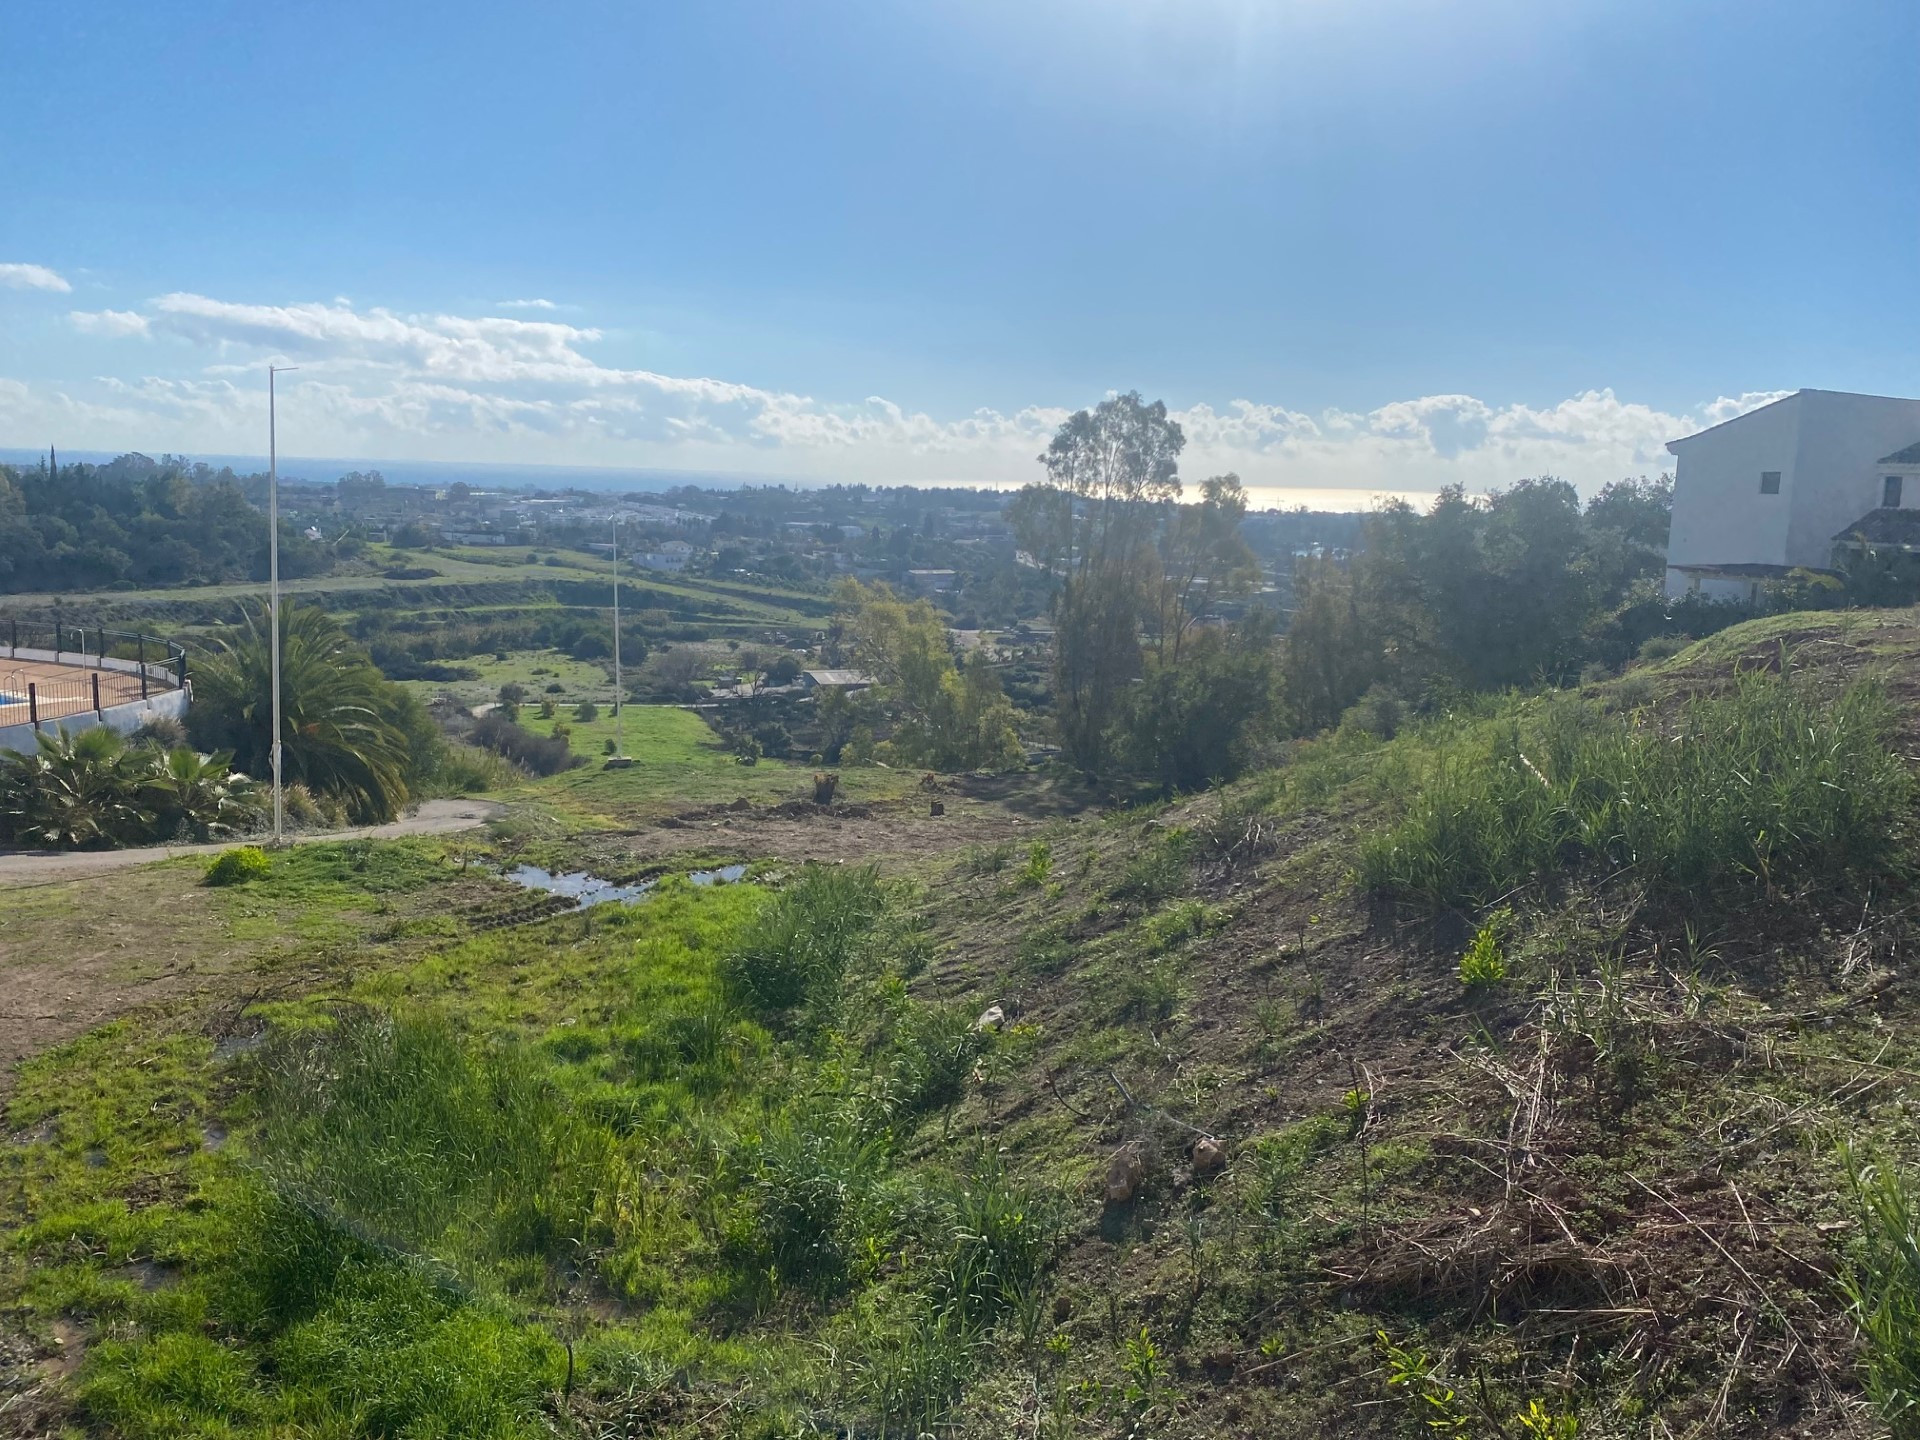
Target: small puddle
pixel 588 890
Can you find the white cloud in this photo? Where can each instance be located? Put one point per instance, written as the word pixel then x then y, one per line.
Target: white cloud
pixel 32 277
pixel 526 305
pixel 375 382
pixel 108 322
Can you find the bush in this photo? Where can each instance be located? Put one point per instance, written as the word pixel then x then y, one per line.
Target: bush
pixel 89 789
pixel 586 712
pixel 238 865
pixel 536 754
pixel 1379 713
pixel 1770 783
pixel 817 1183
pixel 465 769
pixel 161 732
pixel 1663 647
pixel 934 1051
pixel 799 953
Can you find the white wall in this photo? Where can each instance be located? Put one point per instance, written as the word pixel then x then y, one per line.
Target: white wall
pixel 123 719
pixel 1840 437
pixel 1719 515
pixel 1824 444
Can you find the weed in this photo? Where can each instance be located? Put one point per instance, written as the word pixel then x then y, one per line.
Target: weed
pixel 1039 866
pixel 935 1048
pixel 1149 990
pixel 1484 965
pixel 1157 870
pixel 1143 1367
pixel 1411 1373
pixel 1179 922
pixel 1044 952
pixel 238 865
pixel 987 859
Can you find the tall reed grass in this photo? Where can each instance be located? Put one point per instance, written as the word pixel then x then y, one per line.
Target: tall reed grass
pixel 1773 784
pixel 1883 1286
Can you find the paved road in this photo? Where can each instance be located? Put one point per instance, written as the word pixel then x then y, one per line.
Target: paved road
pixel 434 817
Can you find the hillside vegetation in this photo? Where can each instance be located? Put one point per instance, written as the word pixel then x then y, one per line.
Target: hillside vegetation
pixel 1532 1068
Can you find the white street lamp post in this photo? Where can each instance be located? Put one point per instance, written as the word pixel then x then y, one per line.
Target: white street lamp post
pixel 273 598
pixel 619 692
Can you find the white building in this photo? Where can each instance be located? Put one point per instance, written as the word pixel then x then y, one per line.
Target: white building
pixel 1772 491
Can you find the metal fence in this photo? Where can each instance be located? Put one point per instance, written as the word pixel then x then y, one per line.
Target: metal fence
pixel 162 661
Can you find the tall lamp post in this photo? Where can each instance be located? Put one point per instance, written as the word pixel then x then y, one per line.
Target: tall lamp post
pixel 273 598
pixel 619 759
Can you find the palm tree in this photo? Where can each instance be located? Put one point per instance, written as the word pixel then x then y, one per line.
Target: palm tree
pixel 337 733
pixel 76 790
pixel 197 795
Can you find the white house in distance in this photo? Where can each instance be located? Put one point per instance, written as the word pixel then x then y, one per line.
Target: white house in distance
pixel 1773 490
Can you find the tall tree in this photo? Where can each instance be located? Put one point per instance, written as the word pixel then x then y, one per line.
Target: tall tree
pixel 1116 465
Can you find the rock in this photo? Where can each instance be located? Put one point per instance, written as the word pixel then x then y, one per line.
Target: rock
pixel 1125 1172
pixel 937 808
pixel 991 1018
pixel 1209 1158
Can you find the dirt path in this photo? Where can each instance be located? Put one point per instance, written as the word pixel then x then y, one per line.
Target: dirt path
pixel 434 817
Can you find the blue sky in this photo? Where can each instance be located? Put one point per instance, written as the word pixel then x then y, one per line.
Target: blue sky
pixel 1358 244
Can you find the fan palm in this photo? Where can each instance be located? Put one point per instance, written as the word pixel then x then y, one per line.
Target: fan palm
pixel 198 795
pixel 74 791
pixel 336 733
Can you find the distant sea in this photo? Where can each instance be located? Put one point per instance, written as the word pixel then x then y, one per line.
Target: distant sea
pixel 438 473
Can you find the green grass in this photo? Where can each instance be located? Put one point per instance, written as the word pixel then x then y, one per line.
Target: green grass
pixel 1773 784
pixel 438 1171
pixel 679 763
pixel 1883 1285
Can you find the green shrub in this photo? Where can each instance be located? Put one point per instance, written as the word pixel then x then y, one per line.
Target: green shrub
pixel 799 953
pixel 238 865
pixel 1484 965
pixel 1038 867
pixel 935 1047
pixel 1772 783
pixel 586 712
pixel 464 769
pixel 350 733
pixel 1882 1284
pixel 818 1187
pixel 1663 647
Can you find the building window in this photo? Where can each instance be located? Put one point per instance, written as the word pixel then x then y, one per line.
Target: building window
pixel 1769 482
pixel 1890 493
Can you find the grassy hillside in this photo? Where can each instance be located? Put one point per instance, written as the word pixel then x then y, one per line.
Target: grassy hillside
pixel 1536 1071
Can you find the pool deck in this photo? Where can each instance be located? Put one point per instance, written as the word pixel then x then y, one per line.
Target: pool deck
pixel 65 689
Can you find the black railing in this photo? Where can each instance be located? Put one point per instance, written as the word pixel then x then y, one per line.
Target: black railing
pixel 157 658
